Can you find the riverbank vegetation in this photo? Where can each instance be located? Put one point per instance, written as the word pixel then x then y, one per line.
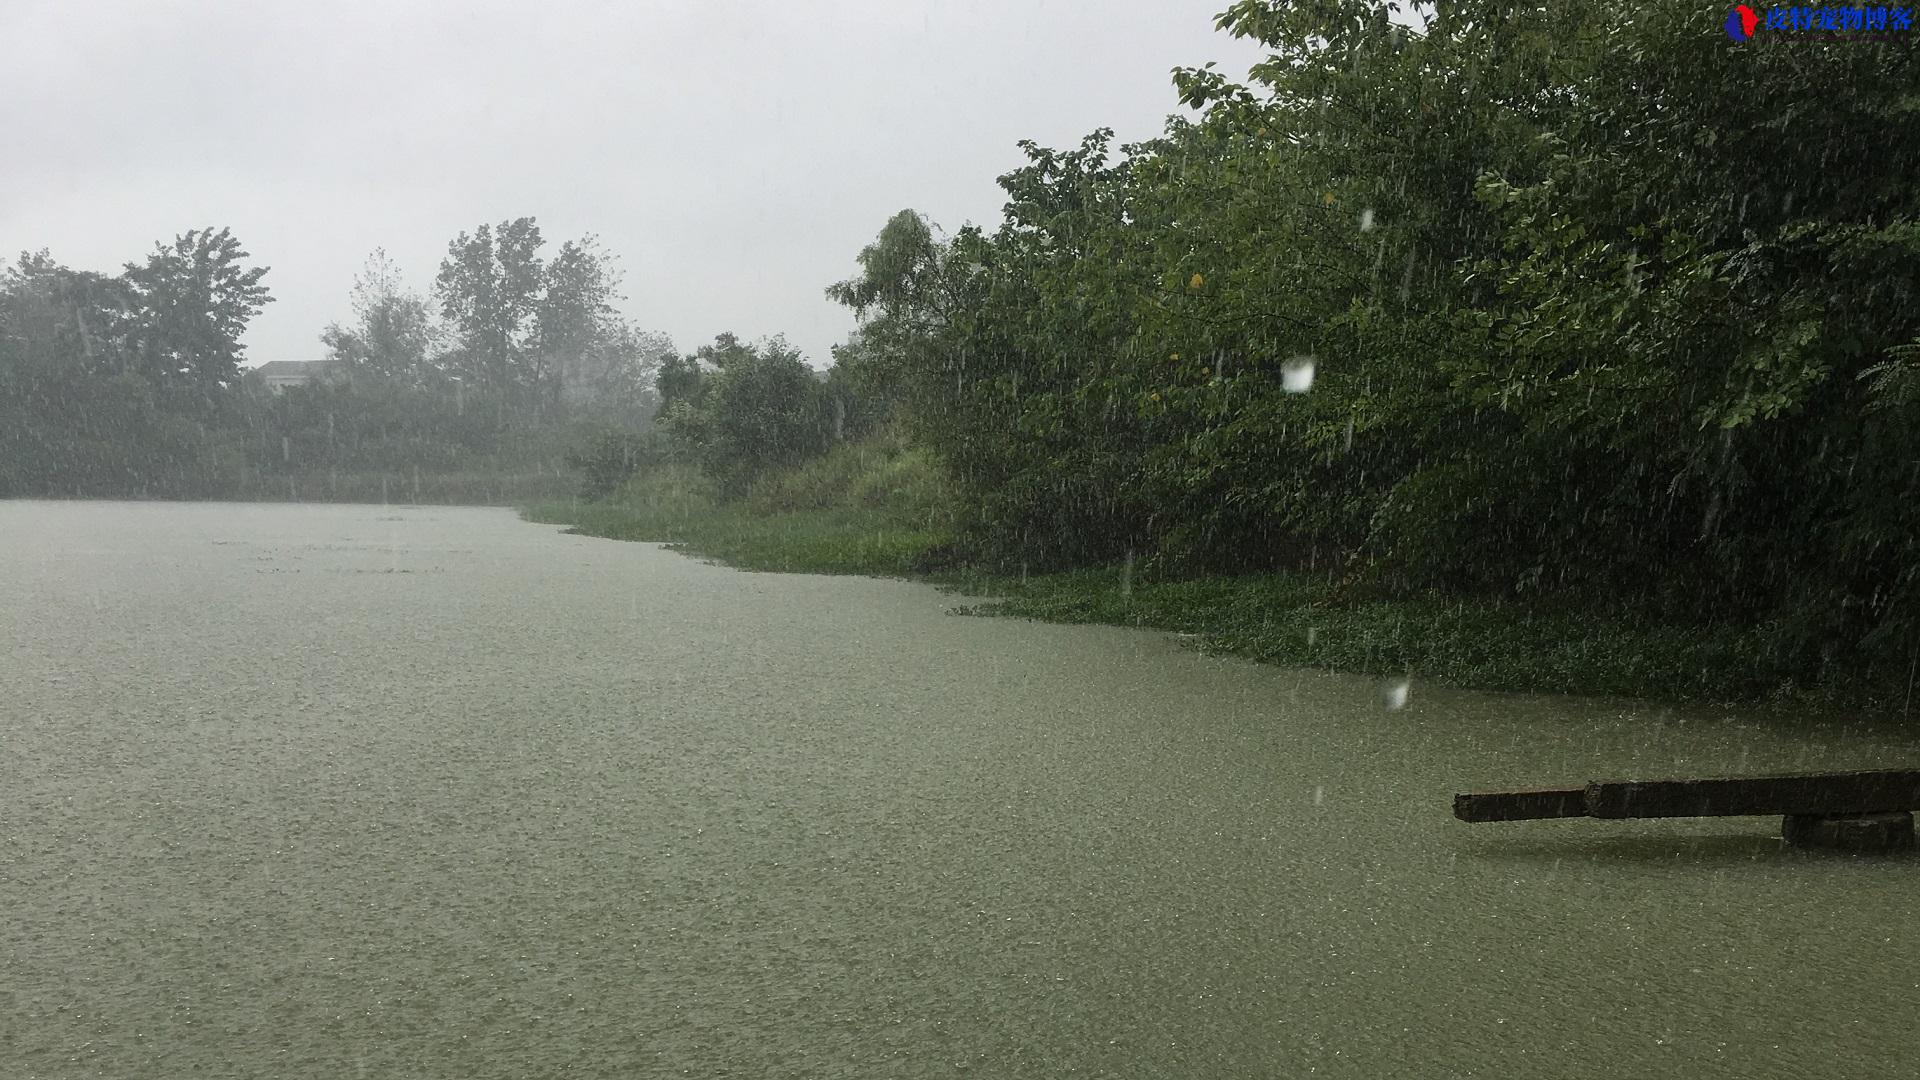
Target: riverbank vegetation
pixel 886 509
pixel 1557 348
pixel 877 507
pixel 1552 347
pixel 132 384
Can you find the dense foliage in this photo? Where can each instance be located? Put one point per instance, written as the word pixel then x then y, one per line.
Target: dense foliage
pixel 119 384
pixel 1589 307
pixel 1562 302
pixel 740 410
pixel 133 384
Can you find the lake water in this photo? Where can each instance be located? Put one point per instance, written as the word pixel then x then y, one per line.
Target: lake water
pixel 345 791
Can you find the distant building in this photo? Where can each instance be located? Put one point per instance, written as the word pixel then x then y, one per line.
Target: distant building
pixel 277 375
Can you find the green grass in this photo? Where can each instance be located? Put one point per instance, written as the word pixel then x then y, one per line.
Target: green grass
pixel 882 509
pixel 887 536
pixel 1296 621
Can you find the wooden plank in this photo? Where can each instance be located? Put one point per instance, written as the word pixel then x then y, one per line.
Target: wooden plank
pixel 1791 793
pixel 1865 832
pixel 1520 805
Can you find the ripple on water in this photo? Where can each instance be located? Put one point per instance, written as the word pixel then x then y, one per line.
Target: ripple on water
pixel 467 797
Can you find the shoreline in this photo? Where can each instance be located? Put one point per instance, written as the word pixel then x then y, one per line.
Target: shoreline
pixel 1279 618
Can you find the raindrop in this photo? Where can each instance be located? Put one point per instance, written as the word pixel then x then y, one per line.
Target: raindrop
pixel 1393 693
pixel 1366 219
pixel 1296 375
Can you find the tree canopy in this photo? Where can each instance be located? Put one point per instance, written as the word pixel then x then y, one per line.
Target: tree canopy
pixel 1595 304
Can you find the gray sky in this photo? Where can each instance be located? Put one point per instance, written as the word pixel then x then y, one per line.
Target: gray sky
pixel 736 154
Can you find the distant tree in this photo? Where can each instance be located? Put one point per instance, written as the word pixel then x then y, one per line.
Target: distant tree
pixel 859 399
pixel 900 274
pixel 616 369
pixel 490 289
pixel 747 409
pixel 393 333
pixel 44 368
pixel 58 320
pixel 679 380
pixel 543 333
pixel 574 316
pixel 111 388
pixel 188 305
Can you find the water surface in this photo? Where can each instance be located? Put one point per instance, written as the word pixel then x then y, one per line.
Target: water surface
pixel 341 791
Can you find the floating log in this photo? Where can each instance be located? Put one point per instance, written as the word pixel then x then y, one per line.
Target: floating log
pixel 1521 805
pixel 1825 794
pixel 1863 832
pixel 1846 811
pixel 1791 793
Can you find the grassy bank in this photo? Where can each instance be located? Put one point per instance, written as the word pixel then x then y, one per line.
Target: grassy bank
pixel 880 509
pixel 876 508
pixel 1298 622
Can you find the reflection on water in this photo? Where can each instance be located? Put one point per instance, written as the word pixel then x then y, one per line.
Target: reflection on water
pixel 1745 845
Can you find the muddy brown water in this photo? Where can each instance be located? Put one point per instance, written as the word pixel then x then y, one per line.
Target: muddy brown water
pixel 344 791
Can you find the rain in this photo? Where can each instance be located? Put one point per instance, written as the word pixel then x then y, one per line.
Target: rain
pixel 1352 540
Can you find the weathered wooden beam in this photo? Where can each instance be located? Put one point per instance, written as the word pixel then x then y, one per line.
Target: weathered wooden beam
pixel 1521 805
pixel 1851 833
pixel 1885 791
pixel 1792 793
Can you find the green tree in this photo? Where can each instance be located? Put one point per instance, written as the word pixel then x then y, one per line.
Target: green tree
pixel 113 385
pixel 753 408
pixel 393 336
pixel 490 287
pixel 188 305
pixel 588 353
pixel 1592 311
pixel 542 334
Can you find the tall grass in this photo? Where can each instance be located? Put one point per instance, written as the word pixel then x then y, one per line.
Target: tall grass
pixel 870 508
pixel 884 508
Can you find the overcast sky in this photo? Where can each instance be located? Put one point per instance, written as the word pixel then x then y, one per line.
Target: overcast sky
pixel 734 155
